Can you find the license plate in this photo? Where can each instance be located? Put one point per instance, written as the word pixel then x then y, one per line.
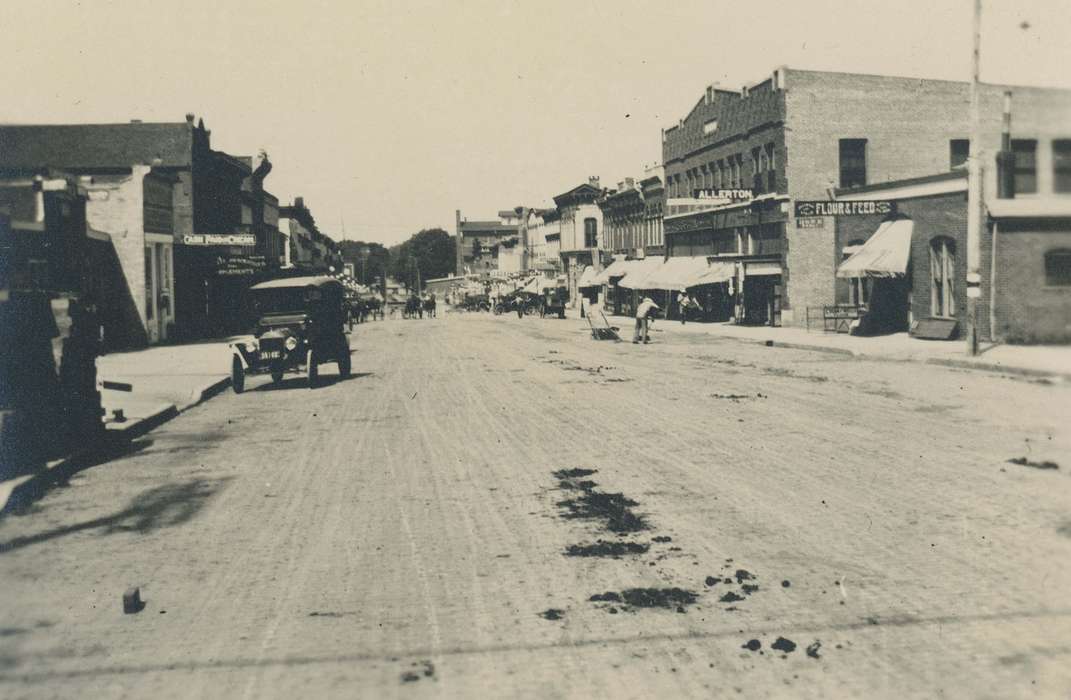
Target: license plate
pixel 271 355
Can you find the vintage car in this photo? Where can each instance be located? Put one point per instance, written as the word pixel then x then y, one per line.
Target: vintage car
pixel 300 324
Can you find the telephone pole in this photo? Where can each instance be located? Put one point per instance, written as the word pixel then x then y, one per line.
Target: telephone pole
pixel 974 190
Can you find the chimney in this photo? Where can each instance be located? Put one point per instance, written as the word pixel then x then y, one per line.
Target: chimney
pixel 189 118
pixel 594 181
pixel 299 202
pixel 630 182
pixel 779 78
pixel 744 91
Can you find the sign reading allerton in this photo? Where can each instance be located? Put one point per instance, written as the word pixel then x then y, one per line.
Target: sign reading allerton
pixel 867 207
pixel 732 195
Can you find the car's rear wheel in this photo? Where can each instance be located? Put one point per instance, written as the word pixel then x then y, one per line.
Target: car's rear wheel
pixel 237 375
pixel 311 370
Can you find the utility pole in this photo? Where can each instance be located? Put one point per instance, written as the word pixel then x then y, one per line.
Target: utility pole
pixel 975 196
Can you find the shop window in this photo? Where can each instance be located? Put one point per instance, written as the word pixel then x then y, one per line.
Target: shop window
pixel 1061 166
pixel 1026 175
pixel 148 282
pixel 1058 268
pixel 858 287
pixel 590 233
pixel 942 274
pixel 852 162
pixel 958 150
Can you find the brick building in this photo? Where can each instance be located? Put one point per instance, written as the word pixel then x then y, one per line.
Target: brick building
pixel 1025 258
pixel 305 247
pixel 215 249
pixel 478 241
pixel 581 232
pixel 799 135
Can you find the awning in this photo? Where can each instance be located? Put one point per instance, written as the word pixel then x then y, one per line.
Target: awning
pixel 615 269
pixel 761 269
pixel 677 273
pixel 885 254
pixel 638 272
pixel 716 273
pixel 587 278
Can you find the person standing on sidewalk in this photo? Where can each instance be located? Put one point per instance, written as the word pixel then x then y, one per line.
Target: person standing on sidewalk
pixel 644 312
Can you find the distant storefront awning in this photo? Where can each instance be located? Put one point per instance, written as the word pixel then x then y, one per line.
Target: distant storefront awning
pixel 675 273
pixel 638 271
pixel 587 278
pixel 615 269
pixel 717 272
pixel 885 254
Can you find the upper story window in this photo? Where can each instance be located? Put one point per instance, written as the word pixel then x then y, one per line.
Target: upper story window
pixel 1026 172
pixel 591 233
pixel 710 126
pixel 1058 268
pixel 958 150
pixel 852 162
pixel 1061 165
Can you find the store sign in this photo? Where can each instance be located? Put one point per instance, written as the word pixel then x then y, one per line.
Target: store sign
pixel 238 265
pixel 727 195
pixel 243 239
pixel 868 207
pixel 810 222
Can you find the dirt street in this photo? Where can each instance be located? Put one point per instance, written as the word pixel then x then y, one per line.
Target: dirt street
pixel 505 508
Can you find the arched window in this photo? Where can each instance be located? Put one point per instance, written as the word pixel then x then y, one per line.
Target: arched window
pixel 942 274
pixel 590 233
pixel 1058 268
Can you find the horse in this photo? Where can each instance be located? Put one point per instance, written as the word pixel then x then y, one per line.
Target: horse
pixel 429 306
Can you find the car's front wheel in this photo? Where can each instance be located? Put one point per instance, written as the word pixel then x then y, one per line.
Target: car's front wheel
pixel 311 370
pixel 237 375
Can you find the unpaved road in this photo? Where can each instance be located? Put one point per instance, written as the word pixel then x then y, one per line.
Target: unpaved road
pixel 404 534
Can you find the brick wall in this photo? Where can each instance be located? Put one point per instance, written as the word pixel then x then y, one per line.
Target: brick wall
pixel 908 124
pixel 1027 310
pixel 117 208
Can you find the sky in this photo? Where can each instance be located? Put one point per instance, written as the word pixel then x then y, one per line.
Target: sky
pixel 386 116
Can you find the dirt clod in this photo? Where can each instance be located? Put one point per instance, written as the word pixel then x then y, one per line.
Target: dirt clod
pixel 785 645
pixel 602 548
pixel 1024 462
pixel 749 588
pixel 552 614
pixel 731 597
pixel 712 581
pixel 753 645
pixel 744 575
pixel 649 597
pixel 812 650
pixel 574 473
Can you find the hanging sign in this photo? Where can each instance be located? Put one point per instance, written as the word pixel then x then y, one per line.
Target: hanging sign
pixel 243 239
pixel 866 207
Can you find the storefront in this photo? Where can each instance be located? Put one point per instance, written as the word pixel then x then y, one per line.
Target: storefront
pixel 159 286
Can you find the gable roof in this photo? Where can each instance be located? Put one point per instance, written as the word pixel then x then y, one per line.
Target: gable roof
pixel 75 146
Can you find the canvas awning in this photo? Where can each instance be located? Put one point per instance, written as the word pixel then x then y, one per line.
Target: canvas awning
pixel 677 273
pixel 587 278
pixel 885 254
pixel 717 272
pixel 615 269
pixel 637 273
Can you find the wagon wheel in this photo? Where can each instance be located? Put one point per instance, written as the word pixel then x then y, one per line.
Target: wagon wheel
pixel 311 370
pixel 237 375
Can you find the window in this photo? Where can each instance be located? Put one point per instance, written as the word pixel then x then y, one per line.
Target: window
pixel 1058 268
pixel 958 150
pixel 942 273
pixel 1061 165
pixel 852 162
pixel 858 287
pixel 148 282
pixel 771 172
pixel 1026 175
pixel 718 168
pixel 590 233
pixel 710 126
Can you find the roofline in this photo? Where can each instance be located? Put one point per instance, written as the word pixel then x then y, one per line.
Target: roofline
pixel 926 185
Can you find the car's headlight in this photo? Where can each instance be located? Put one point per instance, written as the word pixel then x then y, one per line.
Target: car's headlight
pixel 250 346
pixel 291 343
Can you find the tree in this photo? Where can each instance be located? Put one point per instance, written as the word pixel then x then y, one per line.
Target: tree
pixel 429 254
pixel 368 266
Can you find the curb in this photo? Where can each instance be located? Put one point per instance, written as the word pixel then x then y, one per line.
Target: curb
pixel 29 488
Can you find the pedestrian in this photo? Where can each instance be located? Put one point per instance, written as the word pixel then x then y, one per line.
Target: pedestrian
pixel 519 305
pixel 688 306
pixel 644 313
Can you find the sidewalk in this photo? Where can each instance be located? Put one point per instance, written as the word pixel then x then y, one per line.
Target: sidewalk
pixel 162 378
pixel 1036 360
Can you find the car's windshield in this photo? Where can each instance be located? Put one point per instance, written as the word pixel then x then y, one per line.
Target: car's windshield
pixel 280 300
